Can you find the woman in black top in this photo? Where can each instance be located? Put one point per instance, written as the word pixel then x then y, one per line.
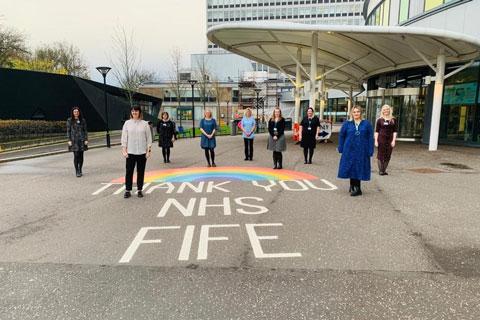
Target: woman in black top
pixel 309 130
pixel 166 135
pixel 77 135
pixel 276 139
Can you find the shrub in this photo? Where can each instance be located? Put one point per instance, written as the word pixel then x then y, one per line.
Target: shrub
pixel 23 129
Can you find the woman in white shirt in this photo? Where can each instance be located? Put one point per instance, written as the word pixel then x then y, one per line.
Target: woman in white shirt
pixel 136 148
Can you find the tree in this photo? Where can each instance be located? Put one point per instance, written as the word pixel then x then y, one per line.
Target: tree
pixel 12 46
pixel 176 84
pixel 202 74
pixel 63 56
pixel 37 65
pixel 220 93
pixel 126 64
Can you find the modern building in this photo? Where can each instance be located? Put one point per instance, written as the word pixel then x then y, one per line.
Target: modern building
pixel 31 95
pixel 341 12
pixel 410 90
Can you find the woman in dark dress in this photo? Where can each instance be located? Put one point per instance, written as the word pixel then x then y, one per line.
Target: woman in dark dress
pixel 355 143
pixel 166 135
pixel 276 138
pixel 308 133
pixel 208 127
pixel 385 136
pixel 77 135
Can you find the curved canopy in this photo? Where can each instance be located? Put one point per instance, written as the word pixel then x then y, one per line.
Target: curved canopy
pixel 349 54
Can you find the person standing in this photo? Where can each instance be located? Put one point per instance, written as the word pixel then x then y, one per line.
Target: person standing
pixel 308 133
pixel 136 148
pixel 276 138
pixel 208 127
pixel 77 135
pixel 355 143
pixel 248 126
pixel 386 130
pixel 166 135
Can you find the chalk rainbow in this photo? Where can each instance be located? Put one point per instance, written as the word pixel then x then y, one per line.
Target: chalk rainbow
pixel 193 174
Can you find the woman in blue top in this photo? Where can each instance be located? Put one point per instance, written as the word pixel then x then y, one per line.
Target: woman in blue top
pixel 208 127
pixel 355 143
pixel 248 126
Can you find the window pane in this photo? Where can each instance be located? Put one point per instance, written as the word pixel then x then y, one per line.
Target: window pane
pixel 404 6
pixel 430 4
pixel 386 12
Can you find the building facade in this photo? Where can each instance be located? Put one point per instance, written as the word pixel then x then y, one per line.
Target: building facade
pixel 410 91
pixel 300 11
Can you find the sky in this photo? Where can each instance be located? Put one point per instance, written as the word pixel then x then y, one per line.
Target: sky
pixel 158 27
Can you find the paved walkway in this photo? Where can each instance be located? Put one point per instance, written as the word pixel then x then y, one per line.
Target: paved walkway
pixel 301 248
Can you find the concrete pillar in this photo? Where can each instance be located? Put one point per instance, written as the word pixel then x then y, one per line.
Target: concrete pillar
pixel 349 102
pixel 298 81
pixel 437 103
pixel 313 70
pixel 323 95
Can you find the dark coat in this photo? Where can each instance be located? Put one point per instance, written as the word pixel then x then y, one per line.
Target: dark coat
pixel 166 131
pixel 77 133
pixel 280 144
pixel 356 150
pixel 309 136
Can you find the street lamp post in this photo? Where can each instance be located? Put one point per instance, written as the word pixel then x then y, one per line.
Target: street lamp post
pixel 257 91
pixel 192 83
pixel 104 71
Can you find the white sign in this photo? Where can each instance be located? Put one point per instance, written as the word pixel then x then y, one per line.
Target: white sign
pixel 325 130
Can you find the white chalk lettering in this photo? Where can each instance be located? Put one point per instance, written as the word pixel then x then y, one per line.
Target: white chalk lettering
pixel 284 184
pixel 257 247
pixel 211 185
pixel 328 183
pixel 186 244
pixel 205 238
pixel 139 240
pixel 198 189
pixel 186 211
pixel 202 209
pixel 164 185
pixel 240 201
pixel 267 188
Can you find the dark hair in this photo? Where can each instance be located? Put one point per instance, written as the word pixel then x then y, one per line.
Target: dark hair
pixel 80 115
pixel 310 108
pixel 136 108
pixel 165 112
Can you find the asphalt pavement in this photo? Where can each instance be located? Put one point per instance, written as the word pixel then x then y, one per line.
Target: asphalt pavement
pixel 234 243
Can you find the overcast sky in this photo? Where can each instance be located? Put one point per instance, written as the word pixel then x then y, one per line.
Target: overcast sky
pixel 159 25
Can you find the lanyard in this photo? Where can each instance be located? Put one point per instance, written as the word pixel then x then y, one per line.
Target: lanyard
pixel 357 132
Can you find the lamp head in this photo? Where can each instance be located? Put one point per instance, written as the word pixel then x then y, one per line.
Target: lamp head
pixel 103 70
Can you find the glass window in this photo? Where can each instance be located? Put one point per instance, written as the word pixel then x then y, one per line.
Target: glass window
pixel 386 12
pixel 430 4
pixel 403 13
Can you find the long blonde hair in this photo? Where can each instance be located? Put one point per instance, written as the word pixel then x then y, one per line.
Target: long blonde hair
pixel 273 113
pixel 386 106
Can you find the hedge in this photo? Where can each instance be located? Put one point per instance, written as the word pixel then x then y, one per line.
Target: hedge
pixel 22 129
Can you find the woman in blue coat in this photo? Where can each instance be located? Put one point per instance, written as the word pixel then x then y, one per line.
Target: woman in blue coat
pixel 208 127
pixel 355 143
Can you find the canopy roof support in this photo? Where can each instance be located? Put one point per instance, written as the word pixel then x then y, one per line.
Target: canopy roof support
pixel 313 70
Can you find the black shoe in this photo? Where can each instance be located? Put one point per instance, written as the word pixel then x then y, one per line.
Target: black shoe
pixel 385 173
pixel 127 194
pixel 310 162
pixel 140 194
pixel 168 160
pixel 305 162
pixel 351 189
pixel 246 159
pixel 209 165
pixel 356 191
pixel 214 165
pixel 164 161
pixel 251 159
pixel 78 174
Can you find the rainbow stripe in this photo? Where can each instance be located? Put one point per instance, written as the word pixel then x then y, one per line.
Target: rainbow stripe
pixel 222 174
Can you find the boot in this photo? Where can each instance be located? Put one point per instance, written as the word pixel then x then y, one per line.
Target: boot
pixel 275 160
pixel 356 191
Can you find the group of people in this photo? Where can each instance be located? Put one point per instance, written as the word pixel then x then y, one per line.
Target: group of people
pixel 355 143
